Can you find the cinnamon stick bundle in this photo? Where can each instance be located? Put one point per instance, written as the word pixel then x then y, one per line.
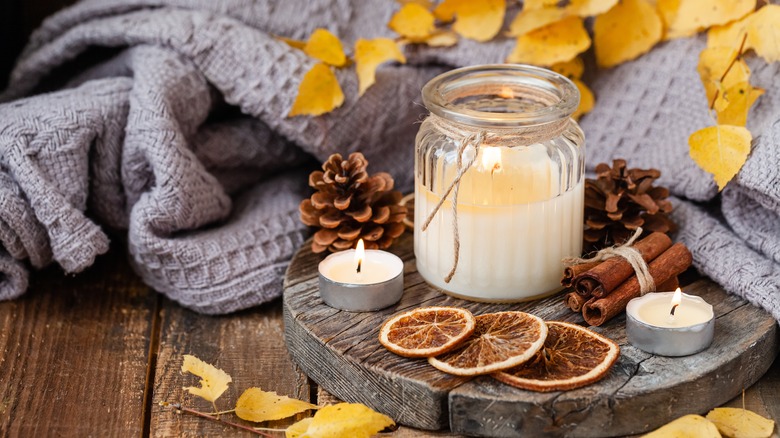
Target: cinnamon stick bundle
pixel 604 278
pixel 664 268
pixel 571 272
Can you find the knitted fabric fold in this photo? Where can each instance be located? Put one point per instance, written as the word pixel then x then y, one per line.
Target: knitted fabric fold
pixel 167 119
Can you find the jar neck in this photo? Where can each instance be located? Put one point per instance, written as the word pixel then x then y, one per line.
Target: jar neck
pixel 500 136
pixel 502 97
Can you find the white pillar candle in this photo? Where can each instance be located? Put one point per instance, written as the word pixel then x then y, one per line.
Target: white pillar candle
pixel 515 225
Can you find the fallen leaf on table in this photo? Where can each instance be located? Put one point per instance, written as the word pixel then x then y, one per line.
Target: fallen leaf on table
pixel 763 33
pixel 720 150
pixel 258 405
pixel 554 43
pixel 318 93
pixel 297 429
pixel 689 426
pixel 213 381
pixel 586 99
pixel 741 423
pixel 572 69
pixel 734 104
pixel 685 18
pixel 326 47
pixel 626 31
pixel 369 54
pixel 713 62
pixel 477 20
pixel 530 19
pixel 344 419
pixel 413 22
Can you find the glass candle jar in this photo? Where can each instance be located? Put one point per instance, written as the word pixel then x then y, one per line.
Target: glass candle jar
pixel 499 176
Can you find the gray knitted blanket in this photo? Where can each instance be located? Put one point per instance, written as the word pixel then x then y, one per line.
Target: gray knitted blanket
pixel 167 119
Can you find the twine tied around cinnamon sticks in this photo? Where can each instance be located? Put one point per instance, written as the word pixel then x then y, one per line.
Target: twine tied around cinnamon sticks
pixel 630 254
pixel 470 140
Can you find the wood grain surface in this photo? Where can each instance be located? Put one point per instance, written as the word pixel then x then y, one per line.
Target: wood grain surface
pixel 340 351
pixel 76 353
pixel 73 353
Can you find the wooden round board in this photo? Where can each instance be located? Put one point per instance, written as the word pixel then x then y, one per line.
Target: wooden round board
pixel 340 351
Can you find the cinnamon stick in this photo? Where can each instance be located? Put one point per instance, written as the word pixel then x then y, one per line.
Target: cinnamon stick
pixel 575 301
pixel 665 267
pixel 604 278
pixel 570 272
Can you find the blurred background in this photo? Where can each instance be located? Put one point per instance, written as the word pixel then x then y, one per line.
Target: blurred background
pixel 18 18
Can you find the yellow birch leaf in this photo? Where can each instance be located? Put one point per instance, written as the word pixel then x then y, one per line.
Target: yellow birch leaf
pixel 733 107
pixel 626 31
pixel 318 93
pixel 258 405
pixel 529 5
pixel 442 38
pixel 720 150
pixel 326 47
pixel 369 54
pixel 741 423
pixel 572 69
pixel 586 100
pixel 296 44
pixel 213 381
pixel 531 19
pixel 554 43
pixel 346 419
pixel 713 62
pixel 412 21
pixel 295 430
pixel 689 426
pixel 476 20
pixel 685 18
pixel 763 33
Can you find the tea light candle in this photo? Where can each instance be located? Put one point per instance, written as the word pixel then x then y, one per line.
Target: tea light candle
pixel 670 323
pixel 361 280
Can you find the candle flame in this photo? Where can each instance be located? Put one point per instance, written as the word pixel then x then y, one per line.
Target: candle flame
pixel 360 254
pixel 506 93
pixel 677 298
pixel 491 159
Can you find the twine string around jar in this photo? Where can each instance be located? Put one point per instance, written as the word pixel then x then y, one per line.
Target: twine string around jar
pixel 630 254
pixel 476 138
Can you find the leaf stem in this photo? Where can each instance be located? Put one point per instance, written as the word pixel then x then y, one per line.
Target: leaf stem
pixel 205 415
pixel 728 69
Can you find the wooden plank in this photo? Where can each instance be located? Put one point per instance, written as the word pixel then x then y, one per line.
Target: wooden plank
pixel 73 353
pixel 763 398
pixel 340 351
pixel 248 345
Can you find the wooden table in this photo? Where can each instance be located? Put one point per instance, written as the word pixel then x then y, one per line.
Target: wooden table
pixel 92 355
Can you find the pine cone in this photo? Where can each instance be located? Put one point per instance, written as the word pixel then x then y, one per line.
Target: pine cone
pixel 350 205
pixel 621 200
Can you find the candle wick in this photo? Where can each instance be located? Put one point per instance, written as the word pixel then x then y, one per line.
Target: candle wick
pixel 359 263
pixel 673 309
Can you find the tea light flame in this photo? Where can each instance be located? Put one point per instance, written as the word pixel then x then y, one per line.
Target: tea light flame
pixel 360 254
pixel 676 300
pixel 491 159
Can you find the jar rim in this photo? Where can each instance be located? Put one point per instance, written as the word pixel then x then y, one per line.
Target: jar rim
pixel 562 95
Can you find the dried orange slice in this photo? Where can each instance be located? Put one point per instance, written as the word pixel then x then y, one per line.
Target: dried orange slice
pixel 501 340
pixel 427 331
pixel 573 356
